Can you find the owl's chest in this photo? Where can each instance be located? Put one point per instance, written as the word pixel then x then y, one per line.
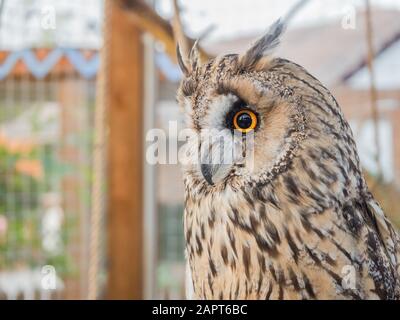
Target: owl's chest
pixel 230 258
pixel 240 251
pixel 226 262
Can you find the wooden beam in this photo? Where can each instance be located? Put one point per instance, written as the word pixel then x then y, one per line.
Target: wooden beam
pixel 125 215
pixel 144 16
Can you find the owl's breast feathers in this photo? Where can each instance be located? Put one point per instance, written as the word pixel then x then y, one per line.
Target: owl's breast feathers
pixel 256 245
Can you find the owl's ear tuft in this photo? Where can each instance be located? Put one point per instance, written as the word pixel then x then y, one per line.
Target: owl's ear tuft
pixel 190 64
pixel 263 46
pixel 181 63
pixel 194 56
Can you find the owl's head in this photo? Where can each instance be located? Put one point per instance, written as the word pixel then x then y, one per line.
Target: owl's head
pixel 258 98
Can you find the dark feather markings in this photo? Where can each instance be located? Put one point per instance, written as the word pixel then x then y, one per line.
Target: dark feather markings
pixel 246 261
pixel 308 287
pixel 269 292
pixel 224 254
pixel 292 246
pixel 212 267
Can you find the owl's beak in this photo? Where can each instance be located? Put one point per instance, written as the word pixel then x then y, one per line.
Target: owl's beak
pixel 218 154
pixel 214 173
pixel 206 171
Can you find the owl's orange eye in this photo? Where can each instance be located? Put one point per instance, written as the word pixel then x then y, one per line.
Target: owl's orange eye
pixel 245 121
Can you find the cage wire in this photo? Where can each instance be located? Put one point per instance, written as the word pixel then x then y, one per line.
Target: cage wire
pixel 52 190
pixel 46 152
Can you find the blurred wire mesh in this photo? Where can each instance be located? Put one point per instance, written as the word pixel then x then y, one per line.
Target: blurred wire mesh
pixel 46 121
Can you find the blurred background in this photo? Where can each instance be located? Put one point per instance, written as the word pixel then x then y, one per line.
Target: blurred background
pixel 83 215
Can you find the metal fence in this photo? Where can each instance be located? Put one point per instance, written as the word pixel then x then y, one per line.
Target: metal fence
pixel 45 178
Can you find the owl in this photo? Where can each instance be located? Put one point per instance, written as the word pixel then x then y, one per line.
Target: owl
pixel 298 220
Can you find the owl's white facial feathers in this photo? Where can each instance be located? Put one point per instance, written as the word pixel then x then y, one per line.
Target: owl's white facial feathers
pixel 217 111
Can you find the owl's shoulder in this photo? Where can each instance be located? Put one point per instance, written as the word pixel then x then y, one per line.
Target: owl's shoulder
pixel 379 242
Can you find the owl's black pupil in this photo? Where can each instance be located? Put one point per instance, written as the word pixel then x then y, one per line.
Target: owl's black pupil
pixel 244 120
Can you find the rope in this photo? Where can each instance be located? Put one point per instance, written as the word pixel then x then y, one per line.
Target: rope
pixel 373 90
pixel 99 162
pixel 1 10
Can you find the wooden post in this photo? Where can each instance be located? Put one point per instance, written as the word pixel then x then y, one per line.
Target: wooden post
pixel 125 145
pixel 70 99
